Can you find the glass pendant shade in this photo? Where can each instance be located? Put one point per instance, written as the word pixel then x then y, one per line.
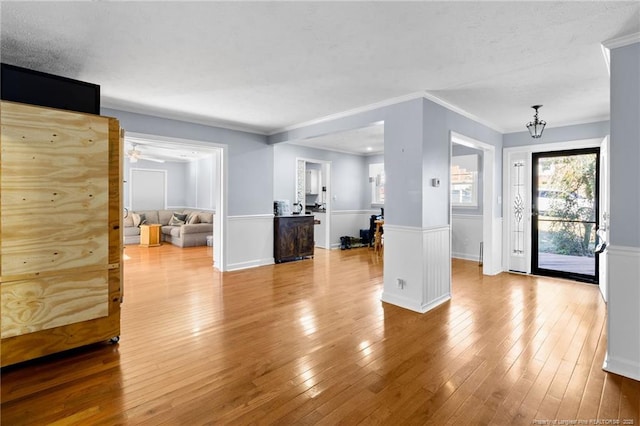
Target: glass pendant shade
pixel 536 126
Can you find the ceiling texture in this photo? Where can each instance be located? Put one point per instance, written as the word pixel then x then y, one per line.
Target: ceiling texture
pixel 269 66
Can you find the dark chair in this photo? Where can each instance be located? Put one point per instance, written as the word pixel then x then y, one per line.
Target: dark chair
pixel 372 228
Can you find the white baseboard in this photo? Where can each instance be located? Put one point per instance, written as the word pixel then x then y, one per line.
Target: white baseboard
pixel 623 367
pixel 465 256
pixel 249 264
pixel 413 305
pixel 435 303
pixel 403 302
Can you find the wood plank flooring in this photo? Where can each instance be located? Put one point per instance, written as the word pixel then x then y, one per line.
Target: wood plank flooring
pixel 309 342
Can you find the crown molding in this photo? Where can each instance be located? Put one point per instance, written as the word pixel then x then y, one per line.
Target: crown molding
pixel 341 151
pixel 350 112
pixel 389 102
pixel 462 112
pixel 112 103
pixel 626 40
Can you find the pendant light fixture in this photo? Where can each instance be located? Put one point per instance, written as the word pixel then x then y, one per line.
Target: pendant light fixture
pixel 536 126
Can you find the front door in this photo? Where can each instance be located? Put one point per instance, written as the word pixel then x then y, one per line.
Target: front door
pixel 565 213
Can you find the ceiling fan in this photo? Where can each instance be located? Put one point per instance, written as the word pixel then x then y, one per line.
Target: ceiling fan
pixel 135 155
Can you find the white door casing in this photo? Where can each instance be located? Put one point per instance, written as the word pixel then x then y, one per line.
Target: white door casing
pixel 220 242
pixel 491 227
pixel 604 214
pixel 521 262
pixel 300 179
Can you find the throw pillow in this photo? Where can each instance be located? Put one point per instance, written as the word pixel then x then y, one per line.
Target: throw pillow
pixel 178 219
pixel 193 218
pixel 205 217
pixel 138 219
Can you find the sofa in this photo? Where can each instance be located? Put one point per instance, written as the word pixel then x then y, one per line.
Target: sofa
pixel 197 226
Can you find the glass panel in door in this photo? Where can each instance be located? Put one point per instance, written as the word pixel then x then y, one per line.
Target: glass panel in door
pixel 565 214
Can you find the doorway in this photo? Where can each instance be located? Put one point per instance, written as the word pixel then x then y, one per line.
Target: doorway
pixel 565 213
pixel 313 194
pixel 490 234
pixel 209 162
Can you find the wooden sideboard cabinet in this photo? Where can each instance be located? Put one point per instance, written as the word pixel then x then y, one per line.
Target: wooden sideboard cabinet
pixel 292 238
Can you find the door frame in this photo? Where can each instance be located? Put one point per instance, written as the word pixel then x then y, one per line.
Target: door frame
pixel 604 214
pixel 326 171
pixel 491 228
pixel 220 220
pixel 528 150
pixel 534 212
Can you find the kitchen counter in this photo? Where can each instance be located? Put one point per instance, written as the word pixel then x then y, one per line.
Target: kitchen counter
pixel 314 209
pixel 315 213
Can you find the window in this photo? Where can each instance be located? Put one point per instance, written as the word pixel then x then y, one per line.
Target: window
pixel 376 177
pixel 464 181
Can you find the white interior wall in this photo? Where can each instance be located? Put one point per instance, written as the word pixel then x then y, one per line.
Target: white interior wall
pixel 466 236
pixel 176 181
pixel 349 223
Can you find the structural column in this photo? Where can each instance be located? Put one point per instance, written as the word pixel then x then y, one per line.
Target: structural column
pixel 417 234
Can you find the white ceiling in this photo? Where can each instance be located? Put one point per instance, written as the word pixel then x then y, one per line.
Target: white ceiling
pixel 267 66
pixel 364 141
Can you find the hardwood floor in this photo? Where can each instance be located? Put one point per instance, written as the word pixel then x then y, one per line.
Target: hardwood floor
pixel 310 342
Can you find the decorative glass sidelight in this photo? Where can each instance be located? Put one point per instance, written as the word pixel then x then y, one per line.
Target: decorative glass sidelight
pixel 300 177
pixel 518 208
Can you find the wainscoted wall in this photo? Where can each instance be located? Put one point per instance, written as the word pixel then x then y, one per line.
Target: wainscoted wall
pixel 349 222
pixel 420 289
pixel 466 236
pixel 437 268
pixel 623 293
pixel 252 242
